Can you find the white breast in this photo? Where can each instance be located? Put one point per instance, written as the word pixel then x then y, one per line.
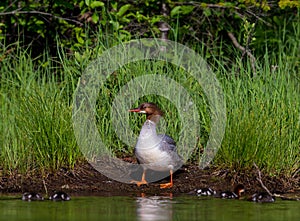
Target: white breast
pixel 147 149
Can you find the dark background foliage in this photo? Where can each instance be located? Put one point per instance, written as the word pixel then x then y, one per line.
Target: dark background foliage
pixel 48 24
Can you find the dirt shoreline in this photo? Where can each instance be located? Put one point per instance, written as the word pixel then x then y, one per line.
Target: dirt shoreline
pixel 84 180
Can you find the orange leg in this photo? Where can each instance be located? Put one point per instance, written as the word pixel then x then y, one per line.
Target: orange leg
pixel 170 184
pixel 143 181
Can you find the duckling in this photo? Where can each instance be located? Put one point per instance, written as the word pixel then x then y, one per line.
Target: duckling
pixel 206 192
pixel 236 194
pixel 32 196
pixel 60 196
pixel 262 197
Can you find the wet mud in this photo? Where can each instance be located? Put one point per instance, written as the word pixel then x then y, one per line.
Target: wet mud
pixel 85 180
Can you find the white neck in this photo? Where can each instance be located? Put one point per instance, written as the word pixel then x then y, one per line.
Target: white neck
pixel 148 136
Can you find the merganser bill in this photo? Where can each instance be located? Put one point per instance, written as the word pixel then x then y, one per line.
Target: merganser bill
pixel 155 151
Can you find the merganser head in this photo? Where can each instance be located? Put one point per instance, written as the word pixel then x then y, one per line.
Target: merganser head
pixel 147 108
pixel 239 189
pixel 150 109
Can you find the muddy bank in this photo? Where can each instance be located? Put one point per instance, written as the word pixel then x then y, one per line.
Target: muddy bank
pixel 85 180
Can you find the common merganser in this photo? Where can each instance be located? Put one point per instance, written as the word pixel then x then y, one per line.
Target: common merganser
pixel 155 151
pixel 236 194
pixel 60 196
pixel 262 197
pixel 206 192
pixel 31 196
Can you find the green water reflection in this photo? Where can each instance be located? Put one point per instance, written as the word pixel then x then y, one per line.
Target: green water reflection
pixel 147 208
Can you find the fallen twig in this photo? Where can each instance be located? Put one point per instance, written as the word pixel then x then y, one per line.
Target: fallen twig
pixel 2 57
pixel 45 186
pixel 244 50
pixel 296 173
pixel 260 180
pixel 40 13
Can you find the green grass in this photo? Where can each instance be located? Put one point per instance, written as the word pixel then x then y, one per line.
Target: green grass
pixel 36 131
pixel 263 112
pixel 263 122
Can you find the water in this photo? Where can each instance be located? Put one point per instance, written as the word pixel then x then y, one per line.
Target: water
pixel 148 208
